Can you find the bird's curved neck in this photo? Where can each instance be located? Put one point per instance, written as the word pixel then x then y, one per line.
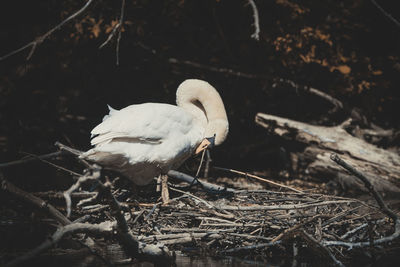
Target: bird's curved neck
pixel 201 100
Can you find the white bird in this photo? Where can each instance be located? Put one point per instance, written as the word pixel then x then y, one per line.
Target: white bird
pixel 146 140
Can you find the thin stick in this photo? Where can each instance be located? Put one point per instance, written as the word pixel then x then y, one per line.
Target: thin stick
pixel 33 44
pixel 36 201
pixel 205 185
pixel 67 194
pixel 215 69
pixel 71 150
pixel 201 163
pixel 116 28
pixel 259 178
pixel 294 228
pixel 208 161
pixel 53 164
pixel 120 32
pixel 390 17
pixel 262 245
pixel 367 184
pixel 282 207
pixel 334 101
pixel 313 240
pixel 101 228
pixel 31 158
pixel 256 34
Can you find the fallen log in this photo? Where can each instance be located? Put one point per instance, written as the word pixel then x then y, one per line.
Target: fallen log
pixel 382 167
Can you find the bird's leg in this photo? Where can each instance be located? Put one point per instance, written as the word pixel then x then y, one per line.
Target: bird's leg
pixel 208 161
pixel 158 188
pixel 162 182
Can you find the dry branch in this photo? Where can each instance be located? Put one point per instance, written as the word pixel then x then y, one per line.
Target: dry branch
pixel 259 178
pixel 215 69
pixel 30 159
pixel 101 228
pixel 116 29
pixel 93 175
pixel 256 34
pixel 338 105
pixel 33 44
pixel 205 185
pixel 246 220
pixel 33 200
pixel 282 207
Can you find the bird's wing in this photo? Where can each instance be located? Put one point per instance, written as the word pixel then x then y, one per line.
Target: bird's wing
pixel 148 123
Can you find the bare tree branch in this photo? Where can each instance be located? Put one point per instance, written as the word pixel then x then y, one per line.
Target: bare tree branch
pixel 260 179
pixel 31 199
pixel 334 101
pixel 367 184
pixel 390 17
pixel 117 28
pixel 29 159
pixel 215 69
pixel 385 209
pixel 33 44
pixel 256 34
pixel 101 228
pixel 93 175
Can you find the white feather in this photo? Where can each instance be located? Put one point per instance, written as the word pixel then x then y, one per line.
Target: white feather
pixel 144 140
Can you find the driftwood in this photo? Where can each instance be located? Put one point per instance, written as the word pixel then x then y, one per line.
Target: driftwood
pixel 382 167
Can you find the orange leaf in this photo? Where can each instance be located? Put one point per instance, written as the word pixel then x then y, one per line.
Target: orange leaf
pixel 344 69
pixel 377 72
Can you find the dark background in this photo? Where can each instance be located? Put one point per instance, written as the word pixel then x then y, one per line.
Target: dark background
pixel 348 49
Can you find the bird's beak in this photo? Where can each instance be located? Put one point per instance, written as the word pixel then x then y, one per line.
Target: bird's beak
pixel 206 143
pixel 203 145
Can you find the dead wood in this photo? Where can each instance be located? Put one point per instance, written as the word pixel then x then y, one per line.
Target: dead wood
pixel 245 221
pixel 382 167
pixel 33 200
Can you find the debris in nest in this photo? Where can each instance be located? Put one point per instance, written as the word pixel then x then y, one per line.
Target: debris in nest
pixel 211 220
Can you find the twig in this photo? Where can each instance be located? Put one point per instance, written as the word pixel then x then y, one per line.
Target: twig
pixel 334 101
pixel 215 69
pixel 390 17
pixel 205 185
pixel 257 246
pixel 94 175
pixel 294 228
pixel 73 151
pixel 90 199
pixel 33 44
pixel 313 240
pixel 208 205
pixel 256 34
pixel 116 28
pixel 367 184
pixel 133 248
pixel 53 164
pixel 31 158
pixel 380 202
pixel 281 207
pixel 59 195
pixel 101 228
pixel 36 201
pixel 259 178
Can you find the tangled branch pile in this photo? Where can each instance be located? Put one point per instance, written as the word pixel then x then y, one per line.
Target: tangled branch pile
pixel 208 220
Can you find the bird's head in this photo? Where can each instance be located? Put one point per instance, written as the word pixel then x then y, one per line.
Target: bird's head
pixel 215 134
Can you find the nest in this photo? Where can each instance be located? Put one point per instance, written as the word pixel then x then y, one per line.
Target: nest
pixel 206 219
